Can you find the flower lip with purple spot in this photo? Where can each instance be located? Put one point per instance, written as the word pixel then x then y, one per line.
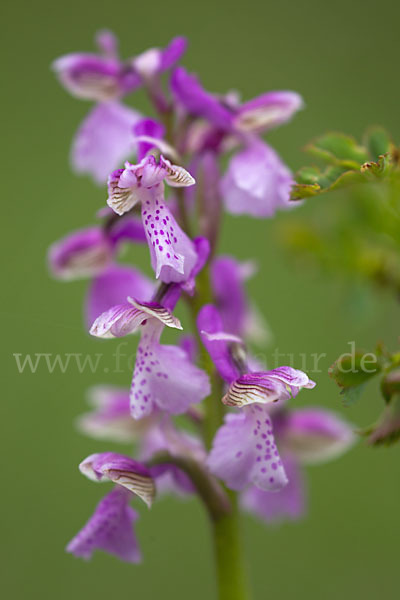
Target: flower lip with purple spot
pixel 109 529
pixel 244 451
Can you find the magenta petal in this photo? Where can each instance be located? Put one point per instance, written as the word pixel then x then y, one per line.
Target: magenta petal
pixel 316 435
pixel 122 470
pixel 227 283
pixel 244 451
pixel 209 322
pixel 257 182
pixel 255 388
pixel 110 417
pixel 127 229
pixel 292 377
pixel 173 53
pixel 188 343
pixel 267 111
pixel 113 287
pixel 109 529
pixel 107 43
pixel 89 76
pixel 287 503
pixel 83 253
pixel 191 95
pixel 117 321
pixel 104 140
pixel 149 128
pixel 123 319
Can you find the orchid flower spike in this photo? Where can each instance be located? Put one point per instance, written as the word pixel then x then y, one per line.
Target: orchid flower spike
pixel 173 254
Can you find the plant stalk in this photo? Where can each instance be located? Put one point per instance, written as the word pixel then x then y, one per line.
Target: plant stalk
pixel 228 551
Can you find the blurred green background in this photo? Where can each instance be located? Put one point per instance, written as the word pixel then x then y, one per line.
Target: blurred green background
pixel 342 57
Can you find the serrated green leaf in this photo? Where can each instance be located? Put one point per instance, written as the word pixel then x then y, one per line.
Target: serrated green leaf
pixel 338 149
pixel 354 368
pixel 377 141
pixel 381 168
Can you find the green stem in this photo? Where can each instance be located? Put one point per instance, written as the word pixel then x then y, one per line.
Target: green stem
pixel 231 579
pixel 214 497
pixel 221 505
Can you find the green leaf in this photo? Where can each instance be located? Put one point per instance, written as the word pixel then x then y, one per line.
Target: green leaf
pixel 351 395
pixel 347 179
pixel 308 175
pixel 382 167
pixel 302 190
pixel 378 141
pixel 338 149
pixel 354 369
pixel 328 177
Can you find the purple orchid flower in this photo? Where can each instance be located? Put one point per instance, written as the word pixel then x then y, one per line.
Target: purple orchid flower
pixel 148 134
pixel 104 139
pixel 252 387
pixel 88 252
pixel 163 378
pixel 244 451
pixel 124 319
pixel 111 419
pixel 289 503
pixel 257 182
pixel 230 296
pixel 314 435
pixel 109 529
pixel 266 386
pixel 98 77
pixel 112 287
pixel 81 254
pixel 258 115
pixel 155 61
pixel 210 327
pixel 173 254
pixel 239 316
pixel 304 436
